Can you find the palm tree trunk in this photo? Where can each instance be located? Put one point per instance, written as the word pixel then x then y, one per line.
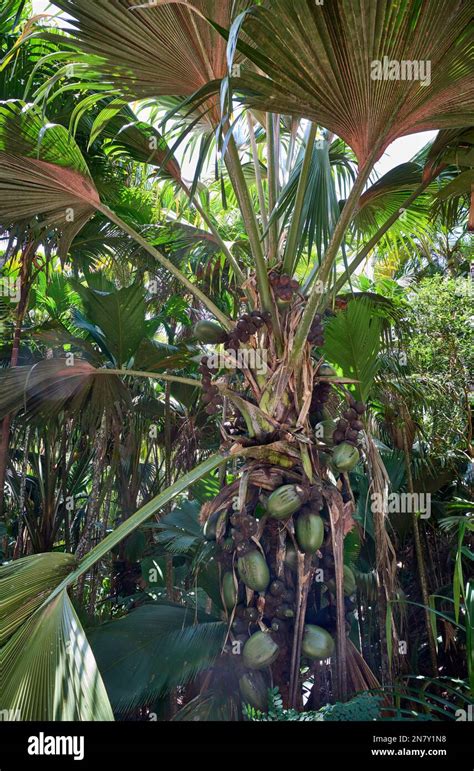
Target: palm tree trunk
pixel 421 563
pixel 21 310
pixel 169 558
pixel 18 551
pixel 94 500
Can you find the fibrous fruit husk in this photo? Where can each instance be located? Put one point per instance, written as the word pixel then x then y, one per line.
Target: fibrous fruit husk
pixel 253 570
pixel 317 643
pixel 260 651
pixel 345 457
pixel 325 370
pixel 309 532
pixel 229 590
pixel 350 584
pixel 284 501
pixel 253 690
pixel 209 333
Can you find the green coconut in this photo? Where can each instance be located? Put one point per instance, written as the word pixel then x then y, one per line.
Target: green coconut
pixel 345 457
pixel 309 532
pixel 260 651
pixel 209 333
pixel 317 643
pixel 253 570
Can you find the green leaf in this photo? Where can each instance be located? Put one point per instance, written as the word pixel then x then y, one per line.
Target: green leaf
pixel 152 50
pixel 42 173
pixel 320 62
pixel 180 531
pixel 48 671
pixel 53 385
pixel 153 648
pixel 352 341
pixel 459 186
pixel 25 584
pixel 120 315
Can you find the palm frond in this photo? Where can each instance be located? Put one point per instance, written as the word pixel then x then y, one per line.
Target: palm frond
pixel 47 669
pixel 325 62
pixel 153 49
pixel 353 343
pixel 42 174
pixel 153 648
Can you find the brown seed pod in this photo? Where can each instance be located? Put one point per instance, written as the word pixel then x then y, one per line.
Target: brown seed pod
pixel 277 588
pixel 352 436
pixel 360 407
pixel 350 414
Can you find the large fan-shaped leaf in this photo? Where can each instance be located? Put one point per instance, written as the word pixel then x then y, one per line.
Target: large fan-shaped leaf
pixel 42 173
pixel 154 647
pixel 25 584
pixel 47 669
pixel 320 61
pixel 54 385
pixel 50 646
pixel 156 48
pixel 387 195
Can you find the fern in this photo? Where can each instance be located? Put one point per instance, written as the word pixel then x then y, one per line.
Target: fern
pixel 364 706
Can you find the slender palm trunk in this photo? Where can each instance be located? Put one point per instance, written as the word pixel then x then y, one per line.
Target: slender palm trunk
pixel 20 315
pixel 421 563
pixel 92 511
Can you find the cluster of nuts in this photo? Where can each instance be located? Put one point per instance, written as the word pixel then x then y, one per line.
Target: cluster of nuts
pixel 244 526
pixel 316 332
pixel 348 427
pixel 314 504
pixel 320 396
pixel 210 393
pixel 284 287
pixel 246 326
pixel 279 605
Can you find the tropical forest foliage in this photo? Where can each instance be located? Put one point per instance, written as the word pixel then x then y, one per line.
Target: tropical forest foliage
pixel 236 433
